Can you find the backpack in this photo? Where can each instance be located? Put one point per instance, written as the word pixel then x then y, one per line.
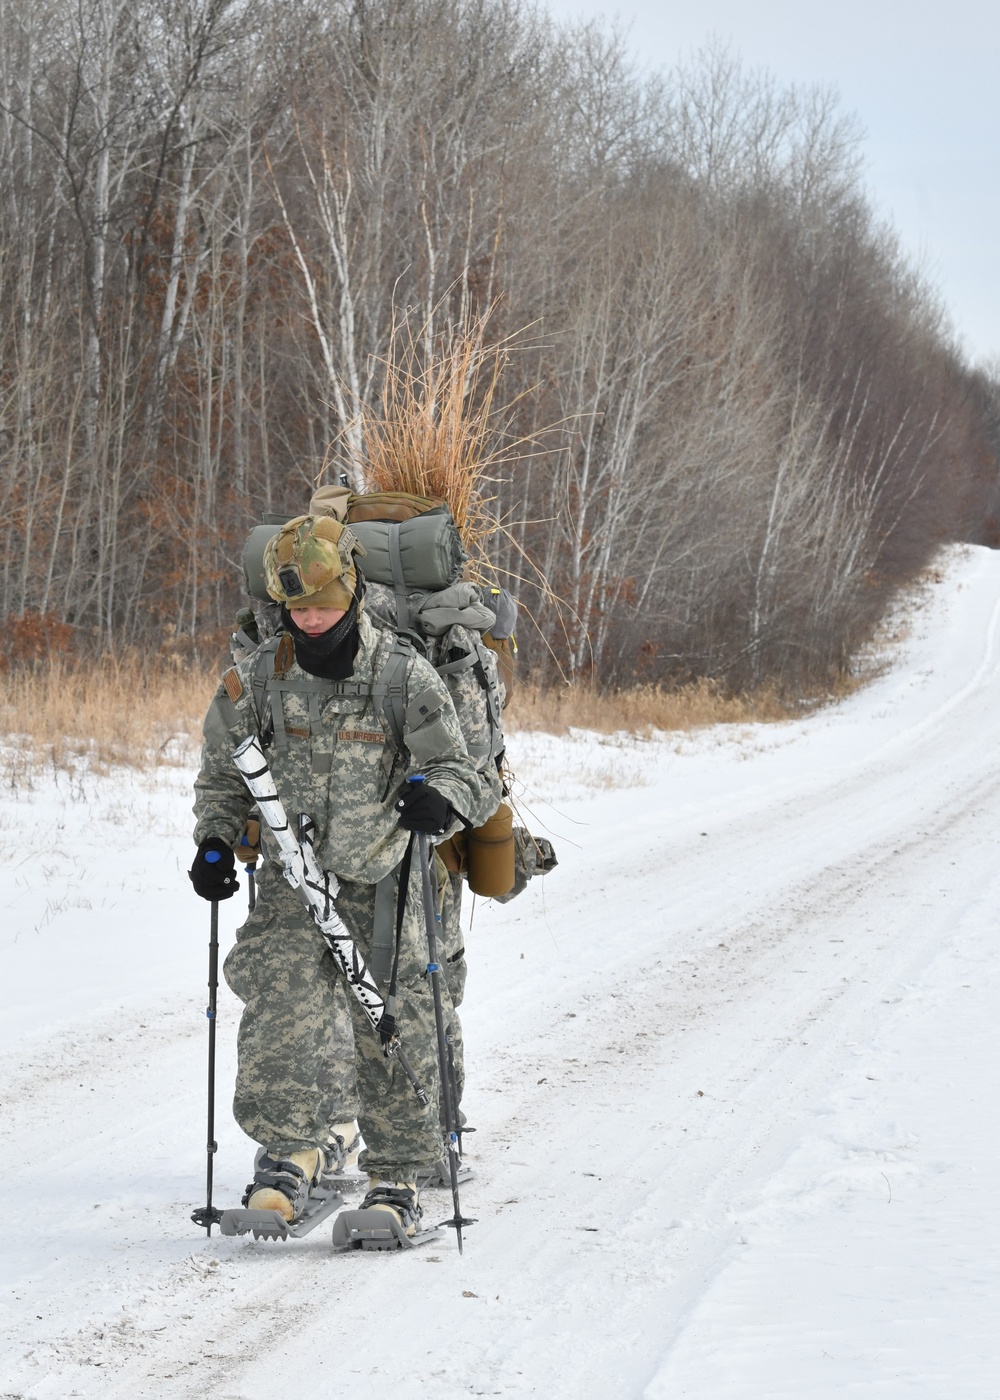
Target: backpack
pixel 412 565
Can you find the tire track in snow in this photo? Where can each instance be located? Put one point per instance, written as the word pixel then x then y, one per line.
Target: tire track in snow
pixel 575 1284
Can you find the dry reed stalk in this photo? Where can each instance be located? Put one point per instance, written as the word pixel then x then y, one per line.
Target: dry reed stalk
pixel 440 429
pixel 131 711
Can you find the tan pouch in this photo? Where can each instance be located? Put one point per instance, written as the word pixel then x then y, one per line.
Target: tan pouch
pixel 248 850
pixel 491 854
pixel 455 853
pixel 390 505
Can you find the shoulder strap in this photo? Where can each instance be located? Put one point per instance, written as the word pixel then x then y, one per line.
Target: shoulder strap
pixel 263 671
pixel 398 581
pixel 389 688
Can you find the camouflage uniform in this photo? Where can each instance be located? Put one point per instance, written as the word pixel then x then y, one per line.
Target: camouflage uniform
pixel 477 694
pixel 333 757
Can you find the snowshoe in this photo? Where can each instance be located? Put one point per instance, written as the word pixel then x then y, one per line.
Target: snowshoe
pixel 288 1197
pixel 439 1175
pixel 389 1218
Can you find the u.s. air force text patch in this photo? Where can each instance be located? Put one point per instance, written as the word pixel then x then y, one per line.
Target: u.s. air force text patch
pixel 363 736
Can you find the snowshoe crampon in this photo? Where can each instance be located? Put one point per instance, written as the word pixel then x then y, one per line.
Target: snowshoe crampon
pixel 272 1225
pixel 389 1218
pixel 288 1197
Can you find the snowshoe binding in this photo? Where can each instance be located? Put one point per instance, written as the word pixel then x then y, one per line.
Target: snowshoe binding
pixel 289 1196
pixel 342 1156
pixel 389 1218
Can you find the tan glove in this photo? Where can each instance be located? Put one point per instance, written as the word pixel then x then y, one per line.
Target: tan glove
pixel 247 850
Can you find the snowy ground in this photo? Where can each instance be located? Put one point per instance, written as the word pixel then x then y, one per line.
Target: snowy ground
pixel 733 1068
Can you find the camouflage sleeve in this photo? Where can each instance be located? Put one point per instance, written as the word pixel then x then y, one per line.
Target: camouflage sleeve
pixel 434 739
pixel 468 687
pixel 222 802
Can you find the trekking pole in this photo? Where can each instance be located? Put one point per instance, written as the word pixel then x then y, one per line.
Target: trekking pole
pixel 251 871
pixel 207 1215
pixel 449 1098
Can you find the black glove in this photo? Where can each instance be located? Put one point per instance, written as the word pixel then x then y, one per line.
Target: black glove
pixel 213 873
pixel 423 808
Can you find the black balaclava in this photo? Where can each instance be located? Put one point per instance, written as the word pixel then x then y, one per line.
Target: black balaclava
pixel 331 654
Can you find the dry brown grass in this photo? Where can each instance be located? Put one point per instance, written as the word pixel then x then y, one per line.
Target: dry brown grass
pixel 642 709
pixel 146 713
pixel 130 711
pixel 440 429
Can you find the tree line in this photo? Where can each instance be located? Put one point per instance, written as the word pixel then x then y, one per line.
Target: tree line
pixel 738 419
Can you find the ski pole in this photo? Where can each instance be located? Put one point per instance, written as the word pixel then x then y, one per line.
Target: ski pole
pixel 207 1215
pixel 444 1066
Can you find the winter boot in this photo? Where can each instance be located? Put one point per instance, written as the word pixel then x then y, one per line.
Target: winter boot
pixel 399 1198
pixel 284 1183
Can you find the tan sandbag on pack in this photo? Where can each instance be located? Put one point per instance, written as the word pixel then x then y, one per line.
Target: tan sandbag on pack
pixel 390 505
pixel 491 854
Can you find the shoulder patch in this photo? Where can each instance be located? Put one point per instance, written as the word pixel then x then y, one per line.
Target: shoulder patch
pixel 233 684
pixel 285 655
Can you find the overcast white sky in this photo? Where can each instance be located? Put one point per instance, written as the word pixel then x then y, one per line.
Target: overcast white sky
pixel 924 79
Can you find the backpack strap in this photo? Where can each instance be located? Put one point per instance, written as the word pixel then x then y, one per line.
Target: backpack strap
pixel 492 696
pixel 389 689
pixel 262 686
pixel 269 687
pixel 455 668
pixel 398 581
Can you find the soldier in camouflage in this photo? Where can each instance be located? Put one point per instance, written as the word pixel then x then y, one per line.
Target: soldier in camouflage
pixel 312 697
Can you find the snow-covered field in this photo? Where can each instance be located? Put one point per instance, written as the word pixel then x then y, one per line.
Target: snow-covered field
pixel 733 1068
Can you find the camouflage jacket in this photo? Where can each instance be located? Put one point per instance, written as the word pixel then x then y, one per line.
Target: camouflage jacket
pixel 333 756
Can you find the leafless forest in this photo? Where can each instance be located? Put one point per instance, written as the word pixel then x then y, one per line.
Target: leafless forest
pixel 738 419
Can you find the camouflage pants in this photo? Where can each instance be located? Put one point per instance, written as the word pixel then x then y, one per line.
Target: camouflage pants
pixel 452 954
pixel 303 1046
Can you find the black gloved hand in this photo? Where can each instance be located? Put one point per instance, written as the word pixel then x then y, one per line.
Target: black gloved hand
pixel 423 808
pixel 213 873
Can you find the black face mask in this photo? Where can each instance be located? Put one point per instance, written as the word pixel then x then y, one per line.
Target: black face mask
pixel 331 654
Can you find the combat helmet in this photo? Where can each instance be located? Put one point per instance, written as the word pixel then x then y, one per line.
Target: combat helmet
pixel 310 563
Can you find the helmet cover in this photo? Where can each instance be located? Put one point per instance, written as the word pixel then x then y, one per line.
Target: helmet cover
pixel 309 563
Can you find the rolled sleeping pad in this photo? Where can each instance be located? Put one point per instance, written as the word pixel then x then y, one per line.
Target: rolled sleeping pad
pixel 430 551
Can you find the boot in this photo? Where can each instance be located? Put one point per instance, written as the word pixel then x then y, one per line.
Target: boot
pixel 399 1198
pixel 284 1183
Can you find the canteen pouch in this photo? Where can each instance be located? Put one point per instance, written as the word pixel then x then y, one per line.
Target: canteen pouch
pixel 491 854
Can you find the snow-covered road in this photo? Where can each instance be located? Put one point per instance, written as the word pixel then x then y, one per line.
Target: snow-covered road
pixel 732 1067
